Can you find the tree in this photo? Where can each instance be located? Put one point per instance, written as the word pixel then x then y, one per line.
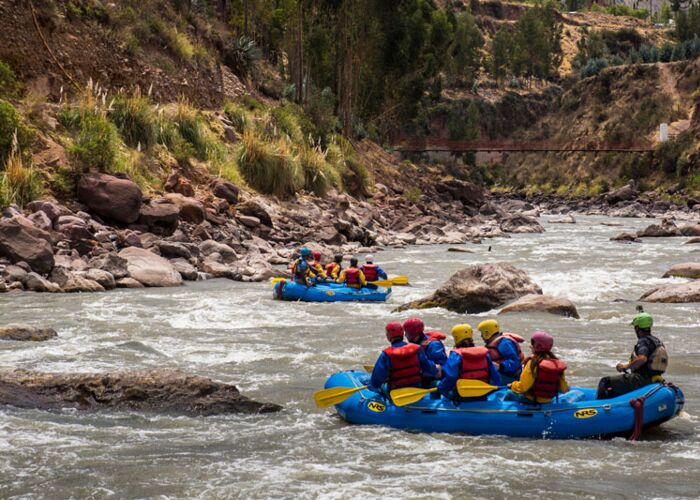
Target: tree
pixel 501 50
pixel 537 46
pixel 464 50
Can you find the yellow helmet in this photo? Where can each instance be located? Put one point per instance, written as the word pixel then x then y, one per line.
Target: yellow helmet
pixel 488 328
pixel 462 332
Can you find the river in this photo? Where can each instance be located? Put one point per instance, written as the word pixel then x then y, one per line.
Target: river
pixel 283 352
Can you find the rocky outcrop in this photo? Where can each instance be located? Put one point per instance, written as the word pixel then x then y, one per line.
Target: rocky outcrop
pixel 626 238
pixel 111 197
pixel 675 293
pixel 686 270
pixel 26 333
pixel 150 269
pixel 625 193
pixel 164 391
pixel 545 303
pixel 466 192
pixel 520 223
pixel 22 241
pixel 568 219
pixel 479 288
pixel 664 230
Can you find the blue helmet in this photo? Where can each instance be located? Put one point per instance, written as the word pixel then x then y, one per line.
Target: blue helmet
pixel 305 252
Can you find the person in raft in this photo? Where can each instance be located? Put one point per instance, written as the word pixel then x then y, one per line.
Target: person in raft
pixel 399 365
pixel 316 266
pixel 334 268
pixel 647 363
pixel 504 349
pixel 431 343
pixel 466 361
pixel 352 276
pixel 302 272
pixel 372 271
pixel 543 378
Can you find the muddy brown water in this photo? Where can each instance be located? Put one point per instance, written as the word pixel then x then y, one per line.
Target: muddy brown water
pixel 283 352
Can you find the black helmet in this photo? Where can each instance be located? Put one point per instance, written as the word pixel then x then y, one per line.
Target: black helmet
pixel 338 258
pixel 353 261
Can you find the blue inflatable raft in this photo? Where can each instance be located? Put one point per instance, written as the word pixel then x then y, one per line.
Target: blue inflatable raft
pixel 577 414
pixel 328 292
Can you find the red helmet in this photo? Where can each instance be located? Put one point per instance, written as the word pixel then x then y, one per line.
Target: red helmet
pixel 541 341
pixel 316 255
pixel 414 328
pixel 394 330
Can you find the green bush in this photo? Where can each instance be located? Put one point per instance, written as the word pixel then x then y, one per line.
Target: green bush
pixel 135 120
pixel 194 130
pixel 319 175
pixel 413 194
pixel 237 115
pixel 19 183
pixel 269 169
pixel 63 182
pixel 96 144
pixel 288 118
pixel 11 123
pixel 9 86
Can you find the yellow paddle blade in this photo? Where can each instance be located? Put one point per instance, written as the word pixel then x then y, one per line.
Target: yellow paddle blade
pixel 408 395
pixel 369 368
pixel 474 388
pixel 382 283
pixel 335 395
pixel 277 280
pixel 399 280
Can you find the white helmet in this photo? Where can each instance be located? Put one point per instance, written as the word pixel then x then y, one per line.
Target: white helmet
pixel 369 258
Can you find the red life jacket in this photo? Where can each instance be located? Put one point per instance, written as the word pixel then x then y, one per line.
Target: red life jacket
pixel 493 346
pixel 370 271
pixel 432 337
pixel 352 276
pixel 549 372
pixel 331 267
pixel 405 366
pixel 475 364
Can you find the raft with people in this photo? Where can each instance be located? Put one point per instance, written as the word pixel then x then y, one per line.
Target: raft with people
pixel 574 414
pixel 328 292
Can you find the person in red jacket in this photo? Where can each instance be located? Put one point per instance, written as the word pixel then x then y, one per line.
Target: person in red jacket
pixel 352 276
pixel 543 378
pixel 400 365
pixel 372 271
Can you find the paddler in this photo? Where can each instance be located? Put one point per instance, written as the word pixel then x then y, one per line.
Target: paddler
pixel 352 276
pixel 431 342
pixel 466 361
pixel 301 270
pixel 543 378
pixel 316 266
pixel 504 349
pixel 371 270
pixel 334 268
pixel 400 365
pixel 647 363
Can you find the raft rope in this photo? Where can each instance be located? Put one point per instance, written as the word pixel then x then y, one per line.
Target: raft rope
pixel 638 405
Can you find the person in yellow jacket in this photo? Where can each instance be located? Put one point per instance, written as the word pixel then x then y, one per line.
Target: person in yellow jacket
pixel 317 267
pixel 543 378
pixel 352 276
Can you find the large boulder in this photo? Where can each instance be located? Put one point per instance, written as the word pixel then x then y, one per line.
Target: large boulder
pixel 255 209
pixel 110 197
pixel 693 240
pixel 191 209
pixel 36 283
pixel 225 190
pixel 150 269
pixel 466 192
pixel 689 229
pixel 663 230
pixel 520 223
pixel 113 264
pixel 26 333
pixel 625 193
pixel 686 270
pixel 161 390
pixel 479 288
pixel 545 303
pixel 674 293
pixel 71 282
pixel 161 218
pixel 20 240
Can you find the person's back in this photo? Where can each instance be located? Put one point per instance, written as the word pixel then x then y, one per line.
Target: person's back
pixel 372 271
pixel 431 342
pixel 316 266
pixel 504 349
pixel 333 269
pixel 301 270
pixel 647 363
pixel 542 378
pixel 352 276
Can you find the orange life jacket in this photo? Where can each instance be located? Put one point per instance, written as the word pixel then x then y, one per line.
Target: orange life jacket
pixel 549 372
pixel 370 271
pixel 493 346
pixel 432 337
pixel 475 364
pixel 352 276
pixel 405 366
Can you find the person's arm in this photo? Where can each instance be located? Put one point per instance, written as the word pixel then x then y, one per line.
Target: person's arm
pixel 527 380
pixel 642 353
pixel 450 374
pixel 563 384
pixel 380 373
pixel 511 360
pixel 427 367
pixel 436 352
pixel 381 273
pixel 363 281
pixel 341 277
pixel 494 376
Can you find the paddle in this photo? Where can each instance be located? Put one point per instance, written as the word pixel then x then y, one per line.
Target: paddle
pixel 399 280
pixel 465 388
pixel 335 395
pixel 369 368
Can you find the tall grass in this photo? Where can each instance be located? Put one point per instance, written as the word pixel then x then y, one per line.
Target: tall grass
pixel 319 175
pixel 270 169
pixel 194 130
pixel 11 126
pixel 19 183
pixel 237 115
pixel 135 119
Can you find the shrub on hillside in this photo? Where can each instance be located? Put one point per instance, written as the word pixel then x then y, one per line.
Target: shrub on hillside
pixel 135 120
pixel 237 115
pixel 194 130
pixel 9 86
pixel 242 55
pixel 96 143
pixel 19 183
pixel 269 169
pixel 319 175
pixel 11 123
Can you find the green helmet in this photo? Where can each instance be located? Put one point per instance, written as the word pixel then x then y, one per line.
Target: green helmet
pixel 643 320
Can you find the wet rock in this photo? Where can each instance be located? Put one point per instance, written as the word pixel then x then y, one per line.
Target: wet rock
pixel 226 190
pixel 186 270
pixel 26 333
pixel 520 223
pixel 459 250
pixel 626 238
pixel 110 197
pixel 219 270
pixel 255 209
pixel 690 229
pixel 166 391
pixel 625 193
pixel 692 241
pixel 113 264
pixel 150 269
pixel 103 278
pixel 676 293
pixel 71 282
pixel 666 229
pixel 160 218
pixel 569 219
pixel 210 247
pixel 172 250
pixel 35 283
pixel 479 288
pixel 686 270
pixel 20 240
pixel 190 209
pixel 13 273
pixel 128 283
pixel 545 303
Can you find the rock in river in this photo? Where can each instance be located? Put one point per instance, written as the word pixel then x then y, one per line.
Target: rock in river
pixel 546 303
pixel 161 390
pixel 26 333
pixel 685 270
pixel 479 288
pixel 676 293
pixel 150 269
